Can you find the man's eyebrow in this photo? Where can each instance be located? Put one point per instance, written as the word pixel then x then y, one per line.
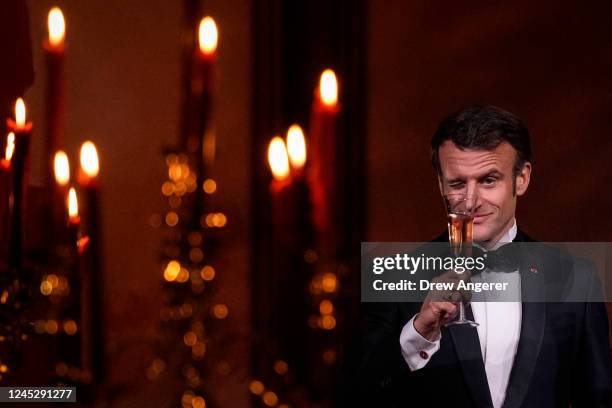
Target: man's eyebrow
pixel 489 173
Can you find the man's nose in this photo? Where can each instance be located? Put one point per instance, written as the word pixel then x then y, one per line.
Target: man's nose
pixel 474 202
pixel 471 187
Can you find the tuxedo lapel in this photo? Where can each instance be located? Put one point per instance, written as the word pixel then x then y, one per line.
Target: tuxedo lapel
pixel 467 344
pixel 467 347
pixel 532 327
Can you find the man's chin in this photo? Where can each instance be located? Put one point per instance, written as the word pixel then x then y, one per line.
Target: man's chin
pixel 481 234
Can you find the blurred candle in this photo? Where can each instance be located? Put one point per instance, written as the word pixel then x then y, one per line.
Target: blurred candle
pixel 93 265
pixel 5 200
pixel 73 209
pixel 22 131
pixel 70 350
pixel 10 148
pixel 203 85
pixel 90 164
pixel 328 89
pixel 201 143
pixel 20 116
pixel 296 148
pixel 55 50
pixel 278 159
pixel 281 202
pixel 290 225
pixel 88 179
pixel 61 169
pixel 206 55
pixel 57 28
pixel 322 178
pixel 208 37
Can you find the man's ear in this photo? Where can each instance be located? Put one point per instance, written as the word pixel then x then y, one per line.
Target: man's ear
pixel 522 180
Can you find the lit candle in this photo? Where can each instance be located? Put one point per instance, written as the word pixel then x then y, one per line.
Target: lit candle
pixel 323 173
pixel 290 224
pixel 284 197
pixel 19 125
pixel 22 131
pixel 296 148
pixel 10 149
pixel 57 29
pixel 278 160
pixel 55 49
pixel 90 164
pixel 73 210
pixel 201 142
pixel 206 55
pixel 82 264
pixel 208 37
pixel 204 142
pixel 5 199
pixel 61 169
pixel 88 179
pixel 94 285
pixel 328 90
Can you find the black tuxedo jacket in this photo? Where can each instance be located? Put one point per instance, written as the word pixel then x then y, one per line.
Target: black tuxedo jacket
pixel 563 356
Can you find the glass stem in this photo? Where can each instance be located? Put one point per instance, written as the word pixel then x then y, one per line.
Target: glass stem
pixel 461 312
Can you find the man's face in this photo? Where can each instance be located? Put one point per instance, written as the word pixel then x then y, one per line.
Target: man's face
pixel 489 175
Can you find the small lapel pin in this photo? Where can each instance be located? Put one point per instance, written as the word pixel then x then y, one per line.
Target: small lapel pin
pixel 533 269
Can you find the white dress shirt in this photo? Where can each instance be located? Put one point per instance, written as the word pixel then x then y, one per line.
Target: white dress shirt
pixel 499 329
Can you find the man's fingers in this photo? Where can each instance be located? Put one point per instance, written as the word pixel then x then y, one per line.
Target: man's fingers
pixel 446 311
pixel 450 296
pixel 444 308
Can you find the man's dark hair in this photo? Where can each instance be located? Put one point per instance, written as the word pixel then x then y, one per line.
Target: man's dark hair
pixel 483 127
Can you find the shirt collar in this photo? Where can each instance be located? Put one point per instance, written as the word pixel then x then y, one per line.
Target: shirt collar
pixel 509 236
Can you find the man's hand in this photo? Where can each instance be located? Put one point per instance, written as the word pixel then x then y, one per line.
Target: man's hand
pixel 440 307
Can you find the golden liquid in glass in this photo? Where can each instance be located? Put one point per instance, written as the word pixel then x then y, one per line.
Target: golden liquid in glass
pixel 460 233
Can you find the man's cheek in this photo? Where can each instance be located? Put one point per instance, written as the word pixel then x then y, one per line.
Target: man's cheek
pixel 497 200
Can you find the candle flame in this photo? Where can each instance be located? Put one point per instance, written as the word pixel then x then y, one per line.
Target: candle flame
pixel 89 159
pixel 10 146
pixel 296 146
pixel 328 88
pixel 73 205
pixel 277 158
pixel 208 35
pixel 82 244
pixel 56 26
pixel 62 168
pixel 20 113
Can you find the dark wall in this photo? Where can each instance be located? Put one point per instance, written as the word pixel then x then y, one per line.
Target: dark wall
pixel 16 69
pixel 549 63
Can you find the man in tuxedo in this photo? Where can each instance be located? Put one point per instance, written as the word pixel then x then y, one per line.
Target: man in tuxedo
pixel 522 354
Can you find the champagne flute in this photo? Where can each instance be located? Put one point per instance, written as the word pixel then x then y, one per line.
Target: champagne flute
pixel 460 220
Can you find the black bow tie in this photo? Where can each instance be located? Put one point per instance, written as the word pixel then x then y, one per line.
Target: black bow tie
pixel 504 259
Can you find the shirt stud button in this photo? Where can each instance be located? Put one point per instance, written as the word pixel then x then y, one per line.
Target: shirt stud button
pixel 424 355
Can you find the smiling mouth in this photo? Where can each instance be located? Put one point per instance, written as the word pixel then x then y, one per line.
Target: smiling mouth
pixel 478 219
